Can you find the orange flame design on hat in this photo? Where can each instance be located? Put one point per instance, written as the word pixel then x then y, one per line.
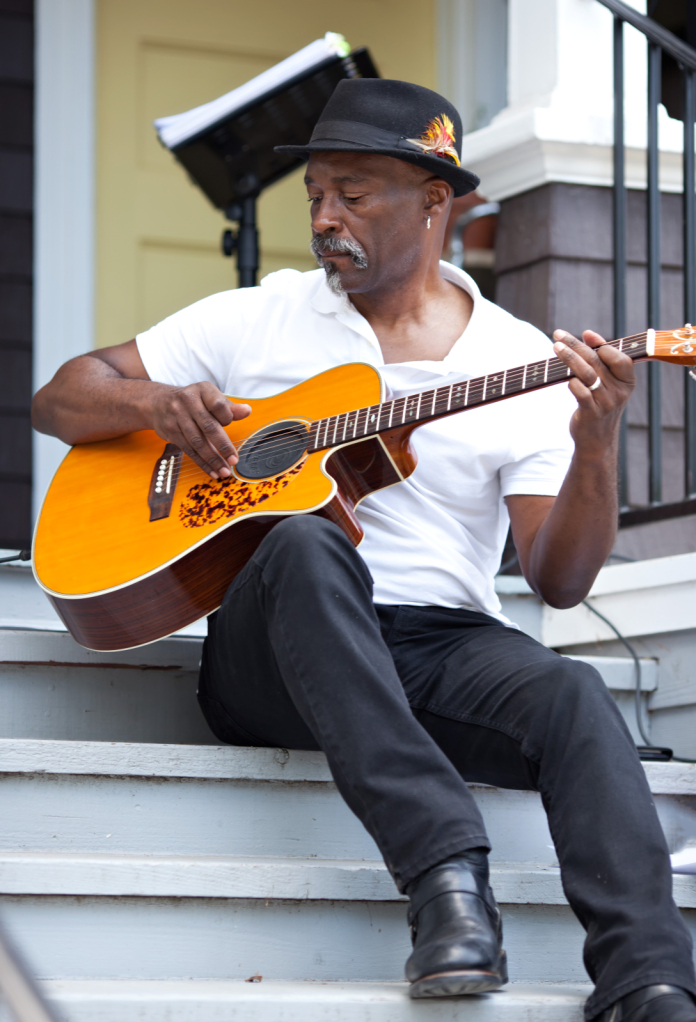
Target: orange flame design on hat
pixel 438 139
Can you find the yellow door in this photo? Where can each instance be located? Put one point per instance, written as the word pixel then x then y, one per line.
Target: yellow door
pixel 158 238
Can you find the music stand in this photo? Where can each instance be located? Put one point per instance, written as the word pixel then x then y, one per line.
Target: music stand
pixel 232 160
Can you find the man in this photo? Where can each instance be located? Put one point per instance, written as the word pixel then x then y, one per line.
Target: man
pixel 395 659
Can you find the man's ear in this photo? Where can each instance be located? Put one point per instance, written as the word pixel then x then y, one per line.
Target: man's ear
pixel 439 198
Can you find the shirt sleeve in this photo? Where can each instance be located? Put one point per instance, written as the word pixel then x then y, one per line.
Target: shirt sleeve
pixel 198 342
pixel 540 453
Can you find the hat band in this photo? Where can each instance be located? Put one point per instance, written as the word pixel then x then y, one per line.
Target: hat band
pixel 358 133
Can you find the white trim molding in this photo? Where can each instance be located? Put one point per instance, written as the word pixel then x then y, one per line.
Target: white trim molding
pixel 644 598
pixel 558 125
pixel 63 202
pixel 649 597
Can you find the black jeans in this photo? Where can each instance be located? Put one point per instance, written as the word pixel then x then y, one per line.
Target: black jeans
pixel 406 702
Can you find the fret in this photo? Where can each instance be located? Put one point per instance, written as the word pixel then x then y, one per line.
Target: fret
pixel 504 380
pixel 514 380
pixel 335 429
pixel 458 399
pixel 427 399
pixel 546 370
pixel 449 396
pixel 435 398
pixel 442 400
pixel 399 411
pixel 411 408
pixel 534 374
pixel 418 410
pixel 475 389
pixel 485 384
pixel 495 389
pixel 621 344
pixel 524 378
pixel 383 418
pixel 466 398
pixel 557 371
pixel 371 420
pixel 391 412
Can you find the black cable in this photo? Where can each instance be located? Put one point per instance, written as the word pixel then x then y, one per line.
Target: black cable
pixel 511 562
pixel 23 555
pixel 639 679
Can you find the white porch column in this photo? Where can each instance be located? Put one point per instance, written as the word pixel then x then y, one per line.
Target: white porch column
pixel 558 124
pixel 64 201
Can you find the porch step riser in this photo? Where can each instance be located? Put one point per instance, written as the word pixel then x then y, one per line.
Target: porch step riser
pixel 243 818
pixel 53 689
pixel 147 938
pixel 238 818
pixel 206 938
pixel 80 703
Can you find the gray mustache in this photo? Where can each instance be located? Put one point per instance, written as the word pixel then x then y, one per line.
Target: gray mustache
pixel 323 246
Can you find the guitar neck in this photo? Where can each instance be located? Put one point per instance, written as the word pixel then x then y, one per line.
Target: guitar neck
pixel 424 406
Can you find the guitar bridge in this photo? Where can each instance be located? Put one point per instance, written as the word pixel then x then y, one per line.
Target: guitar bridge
pixel 163 483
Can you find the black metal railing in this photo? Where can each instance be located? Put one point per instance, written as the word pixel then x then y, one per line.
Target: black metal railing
pixel 660 41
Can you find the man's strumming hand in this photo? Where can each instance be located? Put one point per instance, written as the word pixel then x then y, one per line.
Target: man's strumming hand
pixel 193 418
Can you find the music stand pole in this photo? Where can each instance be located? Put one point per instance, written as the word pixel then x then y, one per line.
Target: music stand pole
pixel 248 244
pixel 245 242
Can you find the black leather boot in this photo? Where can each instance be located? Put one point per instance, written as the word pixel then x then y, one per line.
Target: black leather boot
pixel 456 930
pixel 658 1003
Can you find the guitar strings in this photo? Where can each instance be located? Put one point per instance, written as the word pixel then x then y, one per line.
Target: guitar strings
pixel 512 377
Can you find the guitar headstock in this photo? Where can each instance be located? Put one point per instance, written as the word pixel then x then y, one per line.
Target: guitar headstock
pixel 678 346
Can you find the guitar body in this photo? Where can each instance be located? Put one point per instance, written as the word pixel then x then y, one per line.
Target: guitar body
pixel 135 541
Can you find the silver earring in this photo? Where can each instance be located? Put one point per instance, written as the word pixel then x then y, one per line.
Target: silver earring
pixel 427 223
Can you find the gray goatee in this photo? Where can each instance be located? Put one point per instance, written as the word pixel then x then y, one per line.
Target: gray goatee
pixel 320 246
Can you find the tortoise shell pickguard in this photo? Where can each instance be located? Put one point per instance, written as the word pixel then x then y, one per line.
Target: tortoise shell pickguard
pixel 212 501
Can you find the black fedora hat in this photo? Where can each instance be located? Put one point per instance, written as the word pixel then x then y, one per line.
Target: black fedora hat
pixel 390 118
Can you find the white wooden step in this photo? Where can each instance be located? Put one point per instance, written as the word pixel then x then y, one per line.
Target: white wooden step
pixel 218 938
pixel 53 688
pixel 207 876
pixel 264 1001
pixel 196 800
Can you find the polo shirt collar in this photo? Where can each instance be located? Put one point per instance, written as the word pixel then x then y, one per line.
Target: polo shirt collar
pixel 326 302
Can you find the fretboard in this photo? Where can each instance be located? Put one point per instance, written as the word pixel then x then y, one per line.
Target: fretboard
pixel 425 405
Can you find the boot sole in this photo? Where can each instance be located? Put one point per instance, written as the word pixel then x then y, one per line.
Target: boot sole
pixel 461 984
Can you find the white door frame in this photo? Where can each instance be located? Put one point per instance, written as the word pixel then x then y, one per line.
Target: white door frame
pixel 63 202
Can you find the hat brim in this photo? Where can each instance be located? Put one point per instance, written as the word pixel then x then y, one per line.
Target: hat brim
pixel 462 181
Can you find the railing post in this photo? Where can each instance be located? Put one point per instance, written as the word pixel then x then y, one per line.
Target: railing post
pixel 654 273
pixel 689 209
pixel 620 236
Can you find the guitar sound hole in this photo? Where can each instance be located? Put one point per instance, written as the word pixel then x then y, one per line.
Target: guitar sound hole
pixel 274 449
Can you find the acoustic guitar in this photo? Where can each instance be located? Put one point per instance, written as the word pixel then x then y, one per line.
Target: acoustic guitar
pixel 134 541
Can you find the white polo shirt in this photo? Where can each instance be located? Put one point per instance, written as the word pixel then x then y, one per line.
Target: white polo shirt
pixel 436 538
